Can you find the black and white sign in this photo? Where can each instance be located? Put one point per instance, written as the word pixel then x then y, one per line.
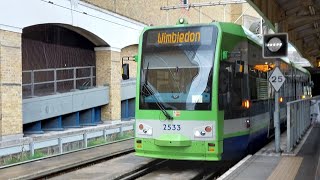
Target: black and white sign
pixel 275 45
pixel 277 79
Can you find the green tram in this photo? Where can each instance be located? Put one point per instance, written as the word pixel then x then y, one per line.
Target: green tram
pixel 203 92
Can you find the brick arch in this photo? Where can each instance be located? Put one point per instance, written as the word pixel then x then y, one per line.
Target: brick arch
pixel 96 40
pixel 51 47
pixel 87 34
pixel 118 31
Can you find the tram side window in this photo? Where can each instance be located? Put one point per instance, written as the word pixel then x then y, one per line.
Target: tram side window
pixel 233 79
pixel 257 74
pixel 258 84
pixel 253 83
pixel 230 91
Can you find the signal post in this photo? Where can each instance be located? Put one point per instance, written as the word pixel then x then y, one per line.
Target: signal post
pixel 276 46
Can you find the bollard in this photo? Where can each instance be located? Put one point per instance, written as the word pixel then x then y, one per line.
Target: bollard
pixel 121 131
pixel 31 148
pixel 60 145
pixel 85 140
pixel 105 135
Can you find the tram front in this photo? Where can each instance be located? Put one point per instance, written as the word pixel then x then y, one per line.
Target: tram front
pixel 176 101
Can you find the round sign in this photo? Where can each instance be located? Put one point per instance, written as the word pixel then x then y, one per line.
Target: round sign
pixel 274 44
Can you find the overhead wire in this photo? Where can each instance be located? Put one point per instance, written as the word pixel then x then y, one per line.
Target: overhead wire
pixel 85 13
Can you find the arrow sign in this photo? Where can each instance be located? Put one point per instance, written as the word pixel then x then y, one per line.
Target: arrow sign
pixel 277 79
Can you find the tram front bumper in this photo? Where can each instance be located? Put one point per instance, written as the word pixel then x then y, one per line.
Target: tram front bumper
pixel 184 150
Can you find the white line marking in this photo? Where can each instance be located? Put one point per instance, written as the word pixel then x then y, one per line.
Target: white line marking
pixel 234 167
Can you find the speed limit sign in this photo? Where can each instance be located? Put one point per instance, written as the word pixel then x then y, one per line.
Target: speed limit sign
pixel 277 79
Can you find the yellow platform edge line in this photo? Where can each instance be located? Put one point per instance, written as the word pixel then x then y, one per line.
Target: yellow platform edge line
pixel 287 168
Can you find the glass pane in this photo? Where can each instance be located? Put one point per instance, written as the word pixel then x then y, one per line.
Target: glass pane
pixel 177 72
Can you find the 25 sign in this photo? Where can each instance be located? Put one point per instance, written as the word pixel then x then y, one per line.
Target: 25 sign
pixel 277 79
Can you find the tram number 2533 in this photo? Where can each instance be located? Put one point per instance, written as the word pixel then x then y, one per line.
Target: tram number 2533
pixel 171 127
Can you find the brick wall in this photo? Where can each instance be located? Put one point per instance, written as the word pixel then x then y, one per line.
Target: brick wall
pixel 10 87
pixel 148 11
pixel 108 72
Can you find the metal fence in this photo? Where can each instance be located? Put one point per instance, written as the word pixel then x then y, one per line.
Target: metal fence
pixel 32 144
pixel 51 81
pixel 298 120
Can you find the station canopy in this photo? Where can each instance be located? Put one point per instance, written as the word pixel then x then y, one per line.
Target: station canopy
pixel 299 18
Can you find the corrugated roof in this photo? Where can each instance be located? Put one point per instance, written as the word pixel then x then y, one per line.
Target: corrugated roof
pixel 299 18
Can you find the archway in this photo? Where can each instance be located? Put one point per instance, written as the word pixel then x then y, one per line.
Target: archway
pixel 57 58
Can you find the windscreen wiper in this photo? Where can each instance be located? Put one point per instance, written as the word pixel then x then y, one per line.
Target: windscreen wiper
pixel 147 88
pixel 158 102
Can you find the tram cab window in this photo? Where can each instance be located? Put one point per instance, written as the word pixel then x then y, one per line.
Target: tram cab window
pixel 232 85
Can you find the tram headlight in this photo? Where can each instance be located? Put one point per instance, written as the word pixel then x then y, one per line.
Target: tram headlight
pixel 203 131
pixel 144 129
pixel 208 129
pixel 196 133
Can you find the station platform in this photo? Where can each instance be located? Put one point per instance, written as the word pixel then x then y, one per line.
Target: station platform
pixel 302 164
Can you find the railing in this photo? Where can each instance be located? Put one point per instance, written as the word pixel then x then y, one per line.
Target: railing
pixel 298 120
pixel 59 140
pixel 70 74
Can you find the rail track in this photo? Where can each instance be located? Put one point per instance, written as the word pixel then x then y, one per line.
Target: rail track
pixel 154 169
pixel 112 161
pixel 88 163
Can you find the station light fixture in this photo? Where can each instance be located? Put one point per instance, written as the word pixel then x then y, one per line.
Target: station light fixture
pixel 318 62
pixel 312 11
pixel 275 45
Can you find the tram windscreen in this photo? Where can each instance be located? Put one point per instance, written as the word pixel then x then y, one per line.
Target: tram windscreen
pixel 177 68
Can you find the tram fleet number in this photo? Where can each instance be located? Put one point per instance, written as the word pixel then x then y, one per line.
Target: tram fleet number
pixel 171 127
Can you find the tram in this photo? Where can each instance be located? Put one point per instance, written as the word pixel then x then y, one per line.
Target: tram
pixel 203 92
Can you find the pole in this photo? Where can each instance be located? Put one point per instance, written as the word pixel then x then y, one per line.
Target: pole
pixel 277 118
pixel 276 113
pixel 261 26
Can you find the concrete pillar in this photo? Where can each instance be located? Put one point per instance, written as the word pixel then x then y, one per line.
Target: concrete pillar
pixel 10 85
pixel 108 72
